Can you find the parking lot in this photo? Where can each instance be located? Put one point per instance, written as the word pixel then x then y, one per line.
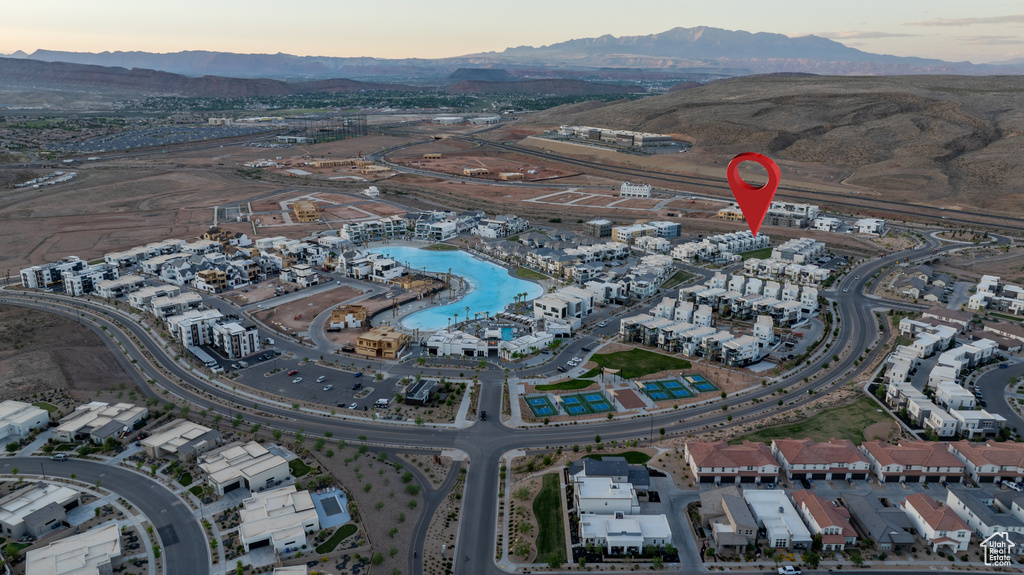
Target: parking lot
pixel 345 385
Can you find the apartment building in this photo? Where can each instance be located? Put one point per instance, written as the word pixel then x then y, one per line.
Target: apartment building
pixel 806 459
pixel 913 462
pixel 990 462
pixel 718 462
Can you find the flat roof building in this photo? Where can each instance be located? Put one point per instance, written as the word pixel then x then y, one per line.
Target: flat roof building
pixel 181 438
pixel 248 465
pixel 279 517
pixel 36 510
pixel 83 554
pixel 19 419
pixel 98 421
pixel 777 516
pixel 620 535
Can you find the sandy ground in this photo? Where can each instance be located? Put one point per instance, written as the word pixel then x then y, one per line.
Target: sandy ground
pixel 443 529
pixel 298 314
pixel 49 355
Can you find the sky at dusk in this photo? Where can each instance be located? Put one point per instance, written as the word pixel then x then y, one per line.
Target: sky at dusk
pixel 977 31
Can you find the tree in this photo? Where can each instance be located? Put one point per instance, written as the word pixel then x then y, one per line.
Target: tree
pixel 657 562
pixel 555 561
pixel 522 494
pixel 521 548
pixel 109 444
pixel 277 434
pixel 239 569
pixel 857 559
pixel 811 558
pixel 13 446
pixel 377 558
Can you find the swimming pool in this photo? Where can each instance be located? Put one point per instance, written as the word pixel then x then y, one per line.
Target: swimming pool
pixel 491 286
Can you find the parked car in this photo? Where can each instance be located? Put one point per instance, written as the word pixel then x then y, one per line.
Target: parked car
pixel 297 380
pixel 789 570
pixel 357 374
pixel 321 379
pixel 60 457
pixel 353 406
pixel 1003 366
pixel 356 385
pixel 561 369
pixel 602 324
pixel 483 416
pixel 587 348
pixel 328 387
pixel 293 372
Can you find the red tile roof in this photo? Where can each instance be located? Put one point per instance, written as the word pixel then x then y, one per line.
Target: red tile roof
pixel 991 453
pixel 825 514
pixel 721 454
pixel 806 451
pixel 938 516
pixel 913 454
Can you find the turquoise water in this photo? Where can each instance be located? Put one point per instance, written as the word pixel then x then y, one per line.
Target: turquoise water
pixel 491 286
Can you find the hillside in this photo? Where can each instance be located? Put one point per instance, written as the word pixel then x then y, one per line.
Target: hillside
pixel 951 141
pixel 556 87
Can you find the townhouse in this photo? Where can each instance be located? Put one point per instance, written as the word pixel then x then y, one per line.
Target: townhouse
pixel 825 519
pixel 727 519
pixel 718 462
pixel 805 459
pixel 977 509
pixel 913 462
pixel 990 462
pixel 937 524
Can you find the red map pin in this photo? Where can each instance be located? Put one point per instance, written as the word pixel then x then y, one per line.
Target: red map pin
pixel 754 202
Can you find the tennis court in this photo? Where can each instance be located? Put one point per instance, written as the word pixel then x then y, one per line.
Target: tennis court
pixel 700 383
pixel 540 406
pixel 666 389
pixel 580 404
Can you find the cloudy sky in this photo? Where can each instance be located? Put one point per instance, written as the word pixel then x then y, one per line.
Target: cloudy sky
pixel 976 31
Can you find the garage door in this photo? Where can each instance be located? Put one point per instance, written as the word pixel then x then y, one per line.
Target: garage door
pixel 818 475
pixel 258 544
pixel 932 478
pixel 769 479
pixel 747 479
pixel 986 479
pixel 233 486
pixel 858 476
pixel 707 479
pixel 799 476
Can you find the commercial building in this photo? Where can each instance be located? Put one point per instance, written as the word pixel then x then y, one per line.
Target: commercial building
pixel 381 341
pixel 280 518
pixel 718 462
pixel 88 552
pixel 937 524
pixel 825 519
pixel 621 535
pixel 36 509
pixel 243 465
pixel 776 515
pixel 18 419
pixel 182 439
pixel 97 421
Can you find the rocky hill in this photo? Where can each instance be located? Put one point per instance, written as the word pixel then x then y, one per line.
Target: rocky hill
pixel 945 140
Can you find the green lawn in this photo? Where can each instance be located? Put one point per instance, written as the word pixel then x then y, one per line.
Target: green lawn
pixel 846 422
pixel 761 254
pixel 339 536
pixel 298 467
pixel 547 508
pixel 677 278
pixel 571 385
pixel 636 363
pixel 635 457
pixel 47 406
pixel 186 479
pixel 527 273
pixel 196 490
pixel 441 248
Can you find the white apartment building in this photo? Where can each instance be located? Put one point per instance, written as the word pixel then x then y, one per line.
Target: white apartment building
pixel 120 287
pixel 235 339
pixel 84 281
pixel 937 524
pixel 47 275
pixel 872 226
pixel 194 327
pixel 628 190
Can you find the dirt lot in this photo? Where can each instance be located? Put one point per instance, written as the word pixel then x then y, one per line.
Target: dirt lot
pixel 41 353
pixel 284 316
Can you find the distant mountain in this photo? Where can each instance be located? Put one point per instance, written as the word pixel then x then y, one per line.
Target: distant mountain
pixel 480 75
pixel 555 87
pixel 693 50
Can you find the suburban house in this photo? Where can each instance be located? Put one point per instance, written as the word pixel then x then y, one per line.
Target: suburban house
pixel 727 519
pixel 776 515
pixel 937 524
pixel 976 509
pixel 620 534
pixel 603 496
pixel 886 525
pixel 825 519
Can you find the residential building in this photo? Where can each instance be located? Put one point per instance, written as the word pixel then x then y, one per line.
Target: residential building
pixel 621 535
pixel 194 327
pixel 826 519
pixel 727 519
pixel 85 553
pixel 991 462
pixel 806 459
pixel 84 281
pixel 181 439
pixel 305 211
pixel 19 419
pixel 243 465
pixel 629 234
pixel 718 462
pixel 615 468
pixel 949 395
pixel 598 228
pixel 120 287
pixel 524 345
pixel 36 509
pixel 937 524
pixel 236 339
pixel 50 275
pixel 381 341
pixel 913 461
pixel 976 508
pixel 347 317
pixel 280 518
pixel 97 421
pixel 603 496
pixel 628 190
pixel 888 526
pixel 974 423
pixel 826 224
pixel 872 226
pixel 776 515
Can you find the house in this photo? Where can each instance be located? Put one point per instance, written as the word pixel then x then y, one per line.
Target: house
pixel 949 395
pixel 718 462
pixel 88 552
pixel 805 459
pixel 975 508
pixel 602 496
pixel 913 461
pixel 615 468
pixel 826 519
pixel 243 465
pixel 182 439
pixel 726 517
pixel 886 525
pixel 381 341
pixel 972 423
pixel 625 535
pixel 991 462
pixel 98 421
pixel 280 518
pixel 776 515
pixel 36 509
pixel 18 419
pixel 937 524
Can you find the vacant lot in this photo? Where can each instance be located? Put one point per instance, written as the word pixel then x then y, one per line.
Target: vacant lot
pixel 298 314
pixel 846 422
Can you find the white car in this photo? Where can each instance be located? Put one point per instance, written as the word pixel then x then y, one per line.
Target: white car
pixel 321 379
pixel 602 324
pixel 353 406
pixel 297 380
pixel 328 387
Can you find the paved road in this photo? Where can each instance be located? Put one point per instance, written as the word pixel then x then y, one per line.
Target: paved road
pixel 485 441
pixel 182 538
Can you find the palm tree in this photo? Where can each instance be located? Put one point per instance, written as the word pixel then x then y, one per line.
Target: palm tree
pixel 467 314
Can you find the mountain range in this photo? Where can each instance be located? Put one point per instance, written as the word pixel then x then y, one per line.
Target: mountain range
pixel 677 52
